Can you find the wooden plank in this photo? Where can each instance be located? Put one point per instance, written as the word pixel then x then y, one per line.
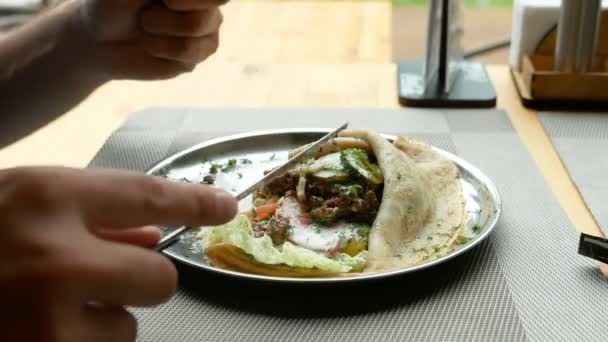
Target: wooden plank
pixel 545 84
pixel 73 139
pixel 306 32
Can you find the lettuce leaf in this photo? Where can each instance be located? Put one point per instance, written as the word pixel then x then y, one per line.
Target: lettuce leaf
pixel 239 233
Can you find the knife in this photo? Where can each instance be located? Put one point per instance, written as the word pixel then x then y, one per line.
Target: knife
pixel 172 237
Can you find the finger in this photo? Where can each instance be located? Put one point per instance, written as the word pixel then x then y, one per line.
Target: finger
pixel 143 236
pixel 126 199
pixel 193 5
pixel 185 50
pixel 150 68
pixel 100 323
pixel 141 65
pixel 161 21
pixel 118 274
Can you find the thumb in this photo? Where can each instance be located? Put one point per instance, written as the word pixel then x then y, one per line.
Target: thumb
pixel 113 19
pixel 127 5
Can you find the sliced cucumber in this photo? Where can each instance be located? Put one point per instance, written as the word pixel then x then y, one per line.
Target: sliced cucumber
pixel 327 162
pixel 328 168
pixel 358 161
pixel 332 175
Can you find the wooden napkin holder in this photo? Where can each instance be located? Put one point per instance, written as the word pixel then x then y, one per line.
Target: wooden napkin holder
pixel 541 87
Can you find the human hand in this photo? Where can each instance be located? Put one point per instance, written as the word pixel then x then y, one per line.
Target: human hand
pixel 71 259
pixel 150 39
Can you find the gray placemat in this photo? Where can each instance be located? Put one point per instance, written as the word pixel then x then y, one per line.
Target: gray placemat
pixel 581 140
pixel 525 283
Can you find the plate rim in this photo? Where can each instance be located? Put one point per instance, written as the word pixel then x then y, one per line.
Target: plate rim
pixel 460 162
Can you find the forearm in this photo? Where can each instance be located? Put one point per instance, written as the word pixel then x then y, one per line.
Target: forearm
pixel 44 71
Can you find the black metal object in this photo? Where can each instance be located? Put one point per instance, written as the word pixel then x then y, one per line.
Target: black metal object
pixel 593 247
pixel 471 88
pixel 444 78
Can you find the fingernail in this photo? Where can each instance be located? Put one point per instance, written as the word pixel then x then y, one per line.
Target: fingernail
pixel 225 205
pixel 150 229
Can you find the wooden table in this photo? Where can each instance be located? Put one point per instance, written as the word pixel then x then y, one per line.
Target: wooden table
pixel 73 139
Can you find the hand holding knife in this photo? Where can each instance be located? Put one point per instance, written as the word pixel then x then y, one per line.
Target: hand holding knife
pixel 172 237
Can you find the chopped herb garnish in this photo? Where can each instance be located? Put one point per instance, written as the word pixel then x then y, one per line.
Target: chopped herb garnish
pixel 267 220
pixel 416 250
pixel 240 175
pixel 476 228
pixel 429 238
pixel 343 238
pixel 462 240
pixel 322 221
pixel 455 228
pixel 362 229
pixel 230 166
pixel 246 161
pixel 349 189
pixel 214 168
pixel 273 156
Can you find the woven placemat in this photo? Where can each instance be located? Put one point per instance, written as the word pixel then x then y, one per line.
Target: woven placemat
pixel 581 140
pixel 525 283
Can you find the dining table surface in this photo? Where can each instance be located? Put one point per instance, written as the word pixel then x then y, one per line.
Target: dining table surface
pixel 246 74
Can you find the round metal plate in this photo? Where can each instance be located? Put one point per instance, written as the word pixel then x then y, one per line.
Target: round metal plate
pixel 267 149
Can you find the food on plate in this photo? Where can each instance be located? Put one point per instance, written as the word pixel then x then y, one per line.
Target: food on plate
pixel 361 204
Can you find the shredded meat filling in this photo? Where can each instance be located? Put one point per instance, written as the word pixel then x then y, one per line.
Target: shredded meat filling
pixel 282 184
pixel 274 227
pixel 330 202
pixel 347 205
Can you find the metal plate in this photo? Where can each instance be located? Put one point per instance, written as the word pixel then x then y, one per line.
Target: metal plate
pixel 267 149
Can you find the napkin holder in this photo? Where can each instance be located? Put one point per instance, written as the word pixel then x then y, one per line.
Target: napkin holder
pixel 541 87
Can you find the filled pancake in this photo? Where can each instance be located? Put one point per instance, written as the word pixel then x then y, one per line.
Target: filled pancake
pixel 362 204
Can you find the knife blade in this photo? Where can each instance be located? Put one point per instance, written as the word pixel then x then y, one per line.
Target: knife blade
pixel 172 237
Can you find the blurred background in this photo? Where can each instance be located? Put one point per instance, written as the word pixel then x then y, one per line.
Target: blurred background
pixel 486 23
pixel 326 31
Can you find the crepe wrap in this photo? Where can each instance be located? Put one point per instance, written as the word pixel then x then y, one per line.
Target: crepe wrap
pixel 420 216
